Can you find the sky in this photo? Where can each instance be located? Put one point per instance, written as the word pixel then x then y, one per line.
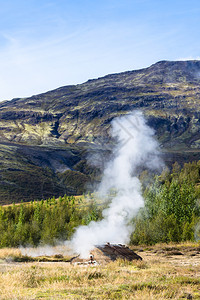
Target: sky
pixel 45 44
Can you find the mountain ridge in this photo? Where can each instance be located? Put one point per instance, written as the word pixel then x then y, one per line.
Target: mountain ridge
pixel 77 118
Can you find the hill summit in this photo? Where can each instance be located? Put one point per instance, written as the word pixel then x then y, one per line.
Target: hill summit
pixel 51 132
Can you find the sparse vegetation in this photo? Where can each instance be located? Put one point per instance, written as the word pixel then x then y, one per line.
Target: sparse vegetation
pixel 156 277
pixel 44 135
pixel 22 179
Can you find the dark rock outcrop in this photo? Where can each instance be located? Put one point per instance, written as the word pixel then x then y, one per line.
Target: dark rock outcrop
pixel 78 117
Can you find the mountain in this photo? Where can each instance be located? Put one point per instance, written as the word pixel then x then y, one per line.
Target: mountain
pixel 48 135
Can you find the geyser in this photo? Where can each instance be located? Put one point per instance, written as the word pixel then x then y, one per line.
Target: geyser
pixel 135 147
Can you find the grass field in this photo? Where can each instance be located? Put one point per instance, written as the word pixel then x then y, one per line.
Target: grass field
pixel 166 272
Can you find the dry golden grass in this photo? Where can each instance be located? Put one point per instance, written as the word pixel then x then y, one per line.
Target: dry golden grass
pixel 9 252
pixel 77 199
pixel 34 254
pixel 156 277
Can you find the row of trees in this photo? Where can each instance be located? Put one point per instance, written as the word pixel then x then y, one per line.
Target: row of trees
pixel 172 207
pixel 171 213
pixel 44 222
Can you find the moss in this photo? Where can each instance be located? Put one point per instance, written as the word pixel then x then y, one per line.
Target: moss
pixel 167 92
pixel 75 181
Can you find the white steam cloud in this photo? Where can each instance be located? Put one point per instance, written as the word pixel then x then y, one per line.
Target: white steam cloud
pixel 135 148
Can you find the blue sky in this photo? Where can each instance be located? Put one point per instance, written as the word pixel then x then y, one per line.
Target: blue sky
pixel 45 44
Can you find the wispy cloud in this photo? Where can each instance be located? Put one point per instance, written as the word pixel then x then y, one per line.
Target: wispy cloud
pixel 46 44
pixel 188 58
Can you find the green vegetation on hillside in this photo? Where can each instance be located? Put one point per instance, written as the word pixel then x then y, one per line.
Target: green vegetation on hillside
pixel 45 135
pixel 172 207
pixel 168 93
pixel 34 173
pixel 171 213
pixel 44 222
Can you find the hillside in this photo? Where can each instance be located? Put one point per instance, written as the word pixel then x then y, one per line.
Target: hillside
pixel 49 134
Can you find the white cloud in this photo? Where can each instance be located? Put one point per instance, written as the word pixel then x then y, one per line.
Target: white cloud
pixel 188 58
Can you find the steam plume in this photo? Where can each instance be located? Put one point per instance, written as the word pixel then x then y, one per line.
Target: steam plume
pixel 135 147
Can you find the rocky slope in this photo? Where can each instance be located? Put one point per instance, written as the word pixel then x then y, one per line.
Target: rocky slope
pixel 72 119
